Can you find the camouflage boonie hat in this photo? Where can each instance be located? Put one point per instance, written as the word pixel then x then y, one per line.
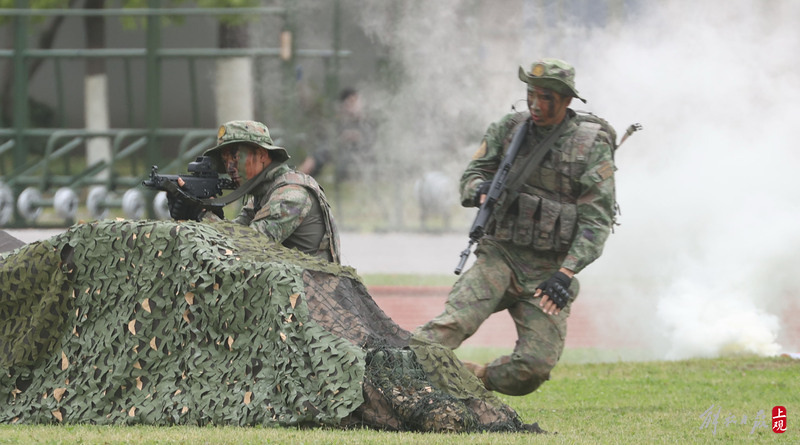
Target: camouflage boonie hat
pixel 251 132
pixel 553 74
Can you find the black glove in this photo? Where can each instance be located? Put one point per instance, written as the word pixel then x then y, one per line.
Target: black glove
pixel 482 190
pixel 557 289
pixel 181 207
pixel 218 211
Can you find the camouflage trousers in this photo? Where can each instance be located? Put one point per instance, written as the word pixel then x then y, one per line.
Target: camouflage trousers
pixel 502 280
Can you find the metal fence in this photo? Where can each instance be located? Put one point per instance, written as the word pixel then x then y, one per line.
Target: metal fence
pixel 41 168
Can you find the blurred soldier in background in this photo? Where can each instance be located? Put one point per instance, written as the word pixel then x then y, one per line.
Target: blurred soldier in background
pixel 552 222
pixel 286 205
pixel 350 148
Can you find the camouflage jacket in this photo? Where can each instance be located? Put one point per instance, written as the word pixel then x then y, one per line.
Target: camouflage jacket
pixel 566 205
pixel 291 208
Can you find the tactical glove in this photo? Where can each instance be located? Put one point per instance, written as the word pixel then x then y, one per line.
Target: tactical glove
pixel 557 289
pixel 218 211
pixel 483 189
pixel 182 208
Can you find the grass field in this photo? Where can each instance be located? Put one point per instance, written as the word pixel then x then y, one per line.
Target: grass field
pixel 588 403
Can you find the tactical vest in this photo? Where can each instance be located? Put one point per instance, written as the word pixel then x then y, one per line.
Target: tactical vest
pixel 330 241
pixel 543 213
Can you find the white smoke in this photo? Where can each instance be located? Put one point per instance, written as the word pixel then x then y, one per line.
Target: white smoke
pixel 703 261
pixel 707 321
pixel 709 228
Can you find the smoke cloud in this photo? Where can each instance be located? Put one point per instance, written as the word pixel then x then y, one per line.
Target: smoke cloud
pixel 703 262
pixel 709 230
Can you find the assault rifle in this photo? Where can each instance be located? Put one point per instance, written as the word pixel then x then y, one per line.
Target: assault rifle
pixel 478 228
pixel 202 182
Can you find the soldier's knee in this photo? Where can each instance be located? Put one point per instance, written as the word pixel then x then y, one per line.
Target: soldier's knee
pixel 519 376
pixel 445 335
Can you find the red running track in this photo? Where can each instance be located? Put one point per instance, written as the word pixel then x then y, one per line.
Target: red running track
pixel 412 306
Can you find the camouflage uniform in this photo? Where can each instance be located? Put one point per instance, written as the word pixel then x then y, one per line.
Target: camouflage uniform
pixel 561 217
pixel 288 206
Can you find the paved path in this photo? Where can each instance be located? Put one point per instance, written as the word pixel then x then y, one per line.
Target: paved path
pixel 403 253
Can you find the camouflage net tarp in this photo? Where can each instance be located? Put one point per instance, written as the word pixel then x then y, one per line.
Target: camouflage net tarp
pixel 163 323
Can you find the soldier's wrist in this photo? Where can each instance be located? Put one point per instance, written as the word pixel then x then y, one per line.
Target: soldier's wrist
pixel 567 272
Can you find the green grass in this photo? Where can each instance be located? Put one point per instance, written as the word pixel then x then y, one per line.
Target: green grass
pixel 584 403
pixel 658 402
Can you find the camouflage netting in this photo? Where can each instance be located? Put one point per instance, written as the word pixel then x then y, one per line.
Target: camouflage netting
pixel 162 323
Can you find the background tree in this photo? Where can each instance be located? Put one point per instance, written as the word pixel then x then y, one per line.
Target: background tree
pixel 233 91
pixel 96 113
pixel 45 40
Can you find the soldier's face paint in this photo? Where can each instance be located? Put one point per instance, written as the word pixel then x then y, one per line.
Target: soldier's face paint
pixel 547 107
pixel 257 160
pixel 232 158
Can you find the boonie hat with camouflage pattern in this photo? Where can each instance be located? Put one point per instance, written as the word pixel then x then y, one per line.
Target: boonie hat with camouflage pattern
pixel 251 132
pixel 553 74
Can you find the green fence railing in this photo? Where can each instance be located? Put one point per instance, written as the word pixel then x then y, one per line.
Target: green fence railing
pixel 48 159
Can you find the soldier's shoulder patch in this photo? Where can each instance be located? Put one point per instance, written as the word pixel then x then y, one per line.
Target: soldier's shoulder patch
pixel 606 170
pixel 481 151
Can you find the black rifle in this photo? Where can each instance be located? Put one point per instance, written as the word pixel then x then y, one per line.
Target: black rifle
pixel 478 228
pixel 202 182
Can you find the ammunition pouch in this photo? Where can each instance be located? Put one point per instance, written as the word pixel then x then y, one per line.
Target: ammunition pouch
pixel 542 223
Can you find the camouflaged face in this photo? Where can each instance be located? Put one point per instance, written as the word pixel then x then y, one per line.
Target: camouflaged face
pixel 165 323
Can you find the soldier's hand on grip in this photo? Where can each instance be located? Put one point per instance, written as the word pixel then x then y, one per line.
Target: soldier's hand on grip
pixel 181 208
pixel 556 289
pixel 483 189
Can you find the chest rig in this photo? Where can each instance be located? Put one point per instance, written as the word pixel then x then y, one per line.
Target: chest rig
pixel 330 241
pixel 540 208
